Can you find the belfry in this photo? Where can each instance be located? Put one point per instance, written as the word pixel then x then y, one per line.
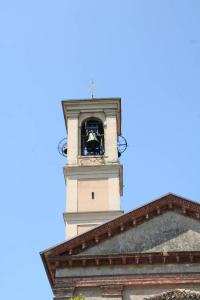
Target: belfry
pixel 149 253
pixel 93 173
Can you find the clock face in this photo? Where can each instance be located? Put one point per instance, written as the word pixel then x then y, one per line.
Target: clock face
pixel 62 147
pixel 121 145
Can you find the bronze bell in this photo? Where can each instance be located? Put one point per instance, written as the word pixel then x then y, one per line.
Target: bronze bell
pixel 92 142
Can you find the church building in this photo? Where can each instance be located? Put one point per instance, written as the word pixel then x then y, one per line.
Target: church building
pixel 149 253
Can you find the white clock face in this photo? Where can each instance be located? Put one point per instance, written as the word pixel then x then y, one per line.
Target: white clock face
pixel 62 147
pixel 121 144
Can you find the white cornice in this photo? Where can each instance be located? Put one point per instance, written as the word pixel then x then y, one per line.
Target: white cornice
pixel 98 171
pixel 110 106
pixel 91 216
pixel 78 170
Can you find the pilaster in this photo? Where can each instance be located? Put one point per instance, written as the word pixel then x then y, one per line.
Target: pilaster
pixel 111 137
pixel 72 123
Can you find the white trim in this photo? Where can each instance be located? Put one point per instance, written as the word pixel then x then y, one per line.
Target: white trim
pixel 91 217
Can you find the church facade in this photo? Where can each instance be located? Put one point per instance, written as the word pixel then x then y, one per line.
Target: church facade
pixel 151 252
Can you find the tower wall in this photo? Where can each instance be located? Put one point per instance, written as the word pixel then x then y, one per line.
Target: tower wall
pixel 94 182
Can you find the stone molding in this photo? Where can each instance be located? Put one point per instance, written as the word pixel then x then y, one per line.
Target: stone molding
pixel 111 168
pixel 123 281
pixel 92 160
pixel 136 259
pixel 95 105
pixel 112 290
pixel 91 216
pixel 98 115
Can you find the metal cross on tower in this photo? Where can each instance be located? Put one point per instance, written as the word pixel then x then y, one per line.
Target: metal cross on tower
pixel 92 89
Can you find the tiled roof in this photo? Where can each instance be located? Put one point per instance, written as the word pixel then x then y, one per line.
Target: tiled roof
pixel 65 253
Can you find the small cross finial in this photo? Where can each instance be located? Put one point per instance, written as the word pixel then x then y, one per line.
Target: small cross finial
pixel 92 89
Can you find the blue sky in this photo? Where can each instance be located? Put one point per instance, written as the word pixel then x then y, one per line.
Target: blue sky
pixel 146 52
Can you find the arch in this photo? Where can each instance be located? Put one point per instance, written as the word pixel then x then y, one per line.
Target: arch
pixel 98 115
pixel 92 136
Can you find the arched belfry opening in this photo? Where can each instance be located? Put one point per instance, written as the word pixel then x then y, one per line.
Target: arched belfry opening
pixel 92 137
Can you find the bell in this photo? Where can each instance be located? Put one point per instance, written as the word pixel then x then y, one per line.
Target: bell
pixel 92 142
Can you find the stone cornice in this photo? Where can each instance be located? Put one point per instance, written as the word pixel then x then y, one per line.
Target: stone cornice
pixel 110 105
pixel 137 259
pixel 66 261
pixel 95 169
pixel 119 282
pixel 88 215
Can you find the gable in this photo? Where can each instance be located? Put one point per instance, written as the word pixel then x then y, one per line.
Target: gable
pixel 143 235
pixel 165 233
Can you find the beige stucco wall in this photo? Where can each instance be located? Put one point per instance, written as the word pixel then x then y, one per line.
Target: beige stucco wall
pixel 111 138
pixel 75 229
pixel 87 220
pixel 103 180
pixel 84 228
pixel 71 194
pixel 114 192
pixel 72 141
pixel 100 189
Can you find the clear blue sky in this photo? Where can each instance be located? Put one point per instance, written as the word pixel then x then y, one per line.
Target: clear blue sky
pixel 146 52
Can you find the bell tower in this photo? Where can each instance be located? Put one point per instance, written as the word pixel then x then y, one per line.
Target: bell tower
pixel 93 173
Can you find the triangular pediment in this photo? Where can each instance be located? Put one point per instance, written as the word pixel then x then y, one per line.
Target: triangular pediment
pixel 168 225
pixel 164 233
pixel 154 224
